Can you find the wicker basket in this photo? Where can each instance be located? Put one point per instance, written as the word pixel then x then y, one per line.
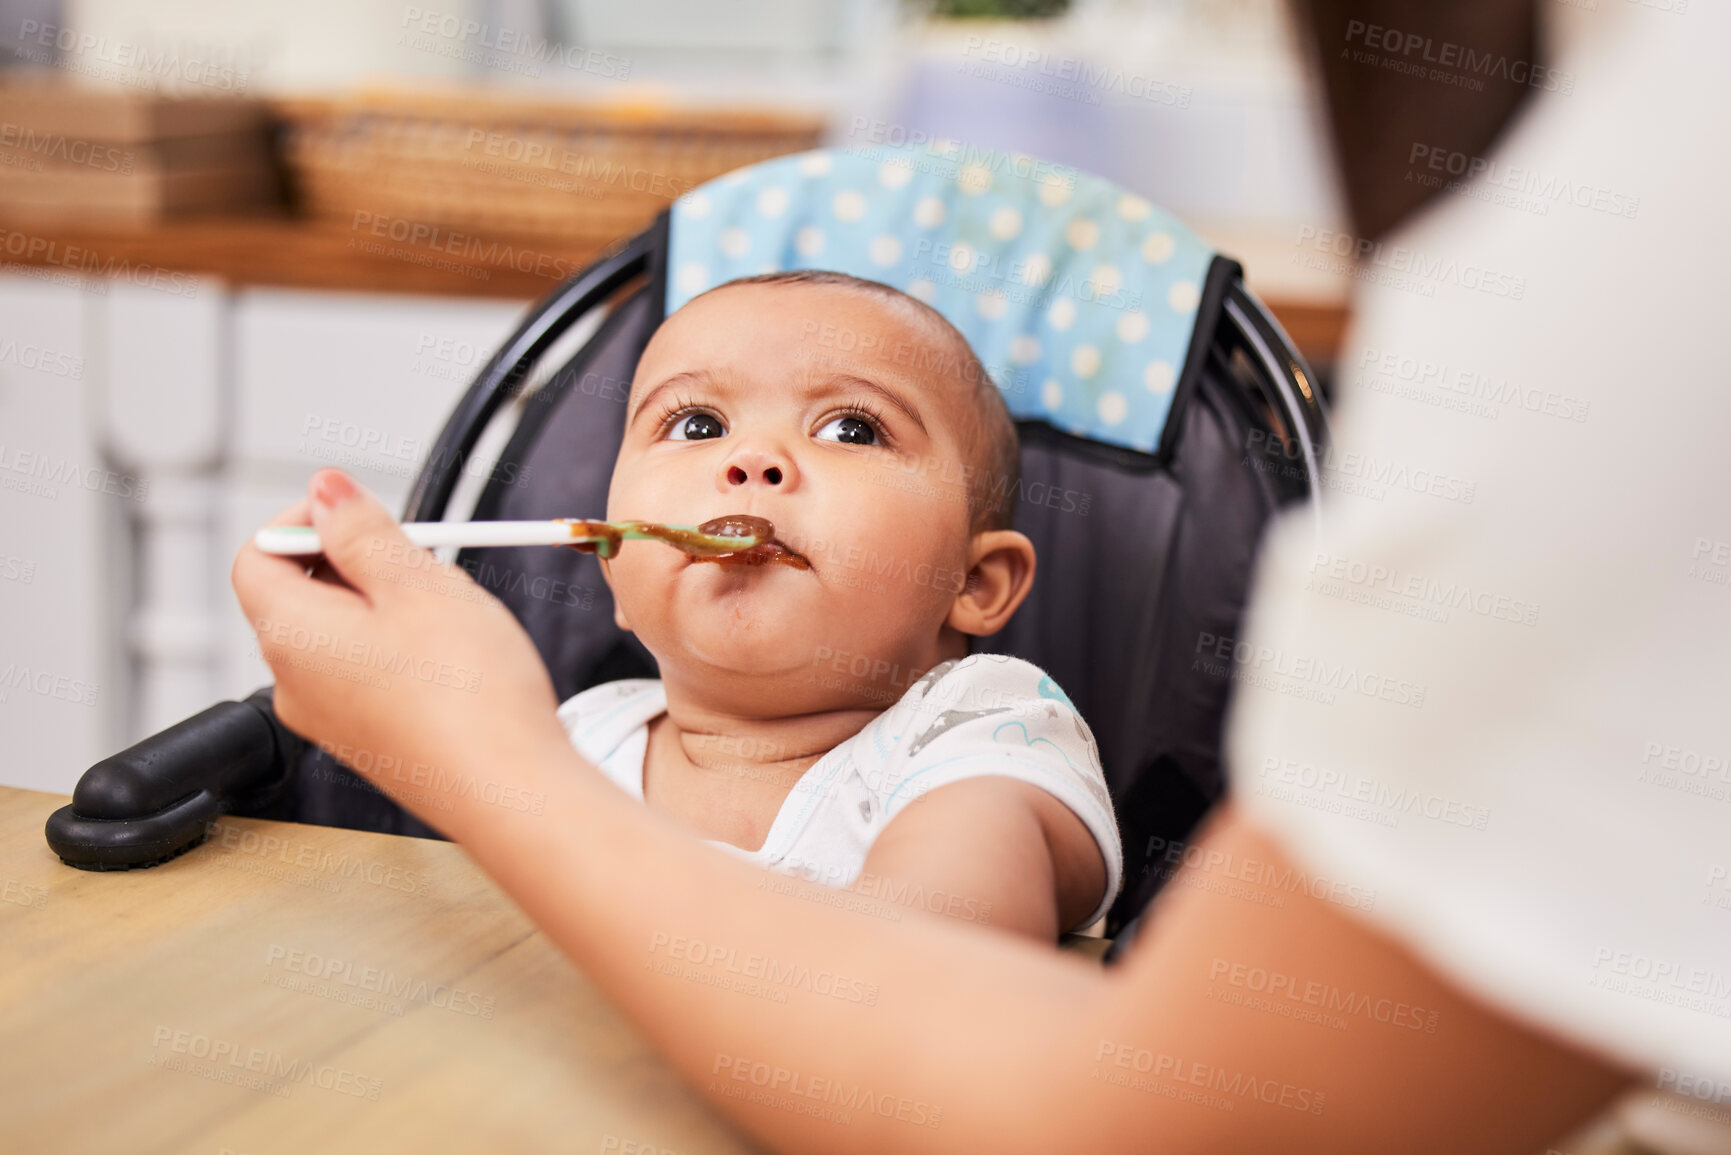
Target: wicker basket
pixel 576 173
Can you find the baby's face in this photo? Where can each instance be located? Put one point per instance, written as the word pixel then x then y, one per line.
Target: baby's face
pixel 743 405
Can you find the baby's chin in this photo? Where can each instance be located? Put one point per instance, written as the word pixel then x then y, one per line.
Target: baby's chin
pixel 747 620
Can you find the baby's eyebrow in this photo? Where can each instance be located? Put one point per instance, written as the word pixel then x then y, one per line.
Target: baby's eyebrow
pixel 832 384
pixel 700 377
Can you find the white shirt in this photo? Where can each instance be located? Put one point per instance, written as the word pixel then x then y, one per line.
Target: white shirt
pixel 1527 535
pixel 986 714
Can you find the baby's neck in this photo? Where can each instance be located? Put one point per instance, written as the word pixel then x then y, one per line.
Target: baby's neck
pixel 770 750
pixel 730 733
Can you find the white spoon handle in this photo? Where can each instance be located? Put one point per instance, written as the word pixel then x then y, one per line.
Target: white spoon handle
pixel 303 541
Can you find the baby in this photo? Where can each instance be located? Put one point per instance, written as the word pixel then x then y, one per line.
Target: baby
pixel 805 705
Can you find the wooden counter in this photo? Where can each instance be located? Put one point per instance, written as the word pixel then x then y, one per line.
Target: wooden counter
pixel 287 988
pixel 303 254
pixel 315 254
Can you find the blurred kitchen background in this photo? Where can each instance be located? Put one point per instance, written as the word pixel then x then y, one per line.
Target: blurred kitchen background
pixel 241 241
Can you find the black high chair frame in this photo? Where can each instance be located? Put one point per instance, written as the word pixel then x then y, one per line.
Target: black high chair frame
pixel 156 799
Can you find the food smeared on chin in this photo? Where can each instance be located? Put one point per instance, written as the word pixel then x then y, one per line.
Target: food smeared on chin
pixel 737 539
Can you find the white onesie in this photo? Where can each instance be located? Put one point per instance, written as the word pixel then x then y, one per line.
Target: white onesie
pixel 981 715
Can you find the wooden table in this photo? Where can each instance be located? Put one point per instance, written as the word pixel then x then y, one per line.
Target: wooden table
pixel 287 988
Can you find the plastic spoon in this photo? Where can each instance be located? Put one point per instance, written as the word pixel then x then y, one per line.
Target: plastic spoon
pixel 714 538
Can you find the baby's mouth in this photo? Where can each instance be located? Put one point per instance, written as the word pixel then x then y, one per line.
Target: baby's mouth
pixel 764 553
pixel 773 551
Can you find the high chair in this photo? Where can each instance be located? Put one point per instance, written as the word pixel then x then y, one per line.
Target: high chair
pixel 1164 418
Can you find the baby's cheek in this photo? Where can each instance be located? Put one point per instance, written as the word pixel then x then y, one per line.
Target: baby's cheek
pixel 627 582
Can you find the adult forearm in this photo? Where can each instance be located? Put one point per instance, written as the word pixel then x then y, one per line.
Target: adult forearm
pixel 915 1031
pixel 865 1028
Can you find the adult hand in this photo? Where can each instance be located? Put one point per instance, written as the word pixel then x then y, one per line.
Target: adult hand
pixel 396 662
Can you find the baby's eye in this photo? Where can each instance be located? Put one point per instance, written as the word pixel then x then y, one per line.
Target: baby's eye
pixel 697 427
pixel 851 430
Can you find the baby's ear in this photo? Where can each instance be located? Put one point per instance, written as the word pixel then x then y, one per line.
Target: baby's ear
pixel 997 582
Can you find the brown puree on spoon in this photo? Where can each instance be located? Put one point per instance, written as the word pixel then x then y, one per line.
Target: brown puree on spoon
pixel 695 543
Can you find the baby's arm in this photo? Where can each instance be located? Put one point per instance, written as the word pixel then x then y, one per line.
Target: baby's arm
pixel 991 850
pixel 995 806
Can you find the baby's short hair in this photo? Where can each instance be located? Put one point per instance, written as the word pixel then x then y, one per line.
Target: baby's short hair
pixel 989 434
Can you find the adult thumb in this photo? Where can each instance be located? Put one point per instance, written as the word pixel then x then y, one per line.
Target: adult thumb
pixel 362 541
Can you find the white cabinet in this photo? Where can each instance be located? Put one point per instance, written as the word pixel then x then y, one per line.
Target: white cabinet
pixel 60 688
pixel 143 436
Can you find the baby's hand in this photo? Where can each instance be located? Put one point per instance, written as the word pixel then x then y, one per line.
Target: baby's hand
pixel 391 659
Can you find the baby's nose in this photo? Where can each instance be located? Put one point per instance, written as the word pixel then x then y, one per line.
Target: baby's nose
pixel 755 465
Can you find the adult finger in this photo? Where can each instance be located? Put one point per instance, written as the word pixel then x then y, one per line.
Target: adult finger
pixel 272 588
pixel 362 541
